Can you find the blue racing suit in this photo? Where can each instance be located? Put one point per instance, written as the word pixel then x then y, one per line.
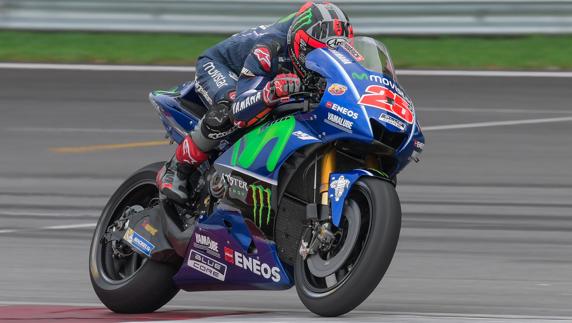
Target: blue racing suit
pixel 233 77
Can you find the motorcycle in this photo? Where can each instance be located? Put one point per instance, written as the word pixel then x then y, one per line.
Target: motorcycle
pixel 306 199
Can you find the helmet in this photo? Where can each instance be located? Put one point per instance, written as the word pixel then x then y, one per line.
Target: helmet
pixel 316 25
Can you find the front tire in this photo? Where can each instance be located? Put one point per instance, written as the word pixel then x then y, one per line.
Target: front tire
pixel 134 284
pixel 379 209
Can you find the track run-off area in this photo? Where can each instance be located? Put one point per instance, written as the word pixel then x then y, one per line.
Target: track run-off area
pixel 487 213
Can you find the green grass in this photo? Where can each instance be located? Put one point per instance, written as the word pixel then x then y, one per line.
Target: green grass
pixel 530 52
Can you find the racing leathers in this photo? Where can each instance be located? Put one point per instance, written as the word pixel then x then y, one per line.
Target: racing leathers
pixel 239 79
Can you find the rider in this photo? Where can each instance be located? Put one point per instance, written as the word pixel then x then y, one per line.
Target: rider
pixel 241 79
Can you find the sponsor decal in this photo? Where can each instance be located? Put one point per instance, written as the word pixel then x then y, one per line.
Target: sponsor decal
pixel 232 95
pixel 215 74
pixel 233 75
pixel 378 79
pixel 207 265
pixel 237 187
pixel 303 136
pixel 206 243
pixel 392 121
pixel 334 42
pixel 260 201
pixel 359 76
pixel 148 227
pixel 343 110
pixel 245 103
pixel 339 122
pixel 218 135
pixel 303 19
pixel 246 72
pixel 340 185
pixel 229 255
pixel 379 97
pixel 341 57
pixel 352 51
pixel 417 150
pixel 201 90
pixel 249 147
pixel 263 56
pixel 253 265
pixel 337 89
pixel 138 242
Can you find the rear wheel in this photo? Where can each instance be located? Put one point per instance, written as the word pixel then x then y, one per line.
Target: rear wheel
pixel 123 280
pixel 334 282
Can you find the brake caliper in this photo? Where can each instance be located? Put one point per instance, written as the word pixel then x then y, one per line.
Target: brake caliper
pixel 317 237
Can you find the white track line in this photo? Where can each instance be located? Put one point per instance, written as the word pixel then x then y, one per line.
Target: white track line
pixel 484 73
pixel 495 124
pixel 85 130
pixel 300 310
pixel 191 69
pixel 52 227
pixel 95 67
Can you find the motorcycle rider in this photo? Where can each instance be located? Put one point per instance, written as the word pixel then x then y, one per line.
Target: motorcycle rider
pixel 243 77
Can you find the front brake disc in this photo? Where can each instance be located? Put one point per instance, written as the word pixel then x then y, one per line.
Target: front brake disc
pixel 320 267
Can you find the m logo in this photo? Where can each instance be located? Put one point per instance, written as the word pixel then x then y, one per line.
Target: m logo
pixel 359 76
pixel 254 142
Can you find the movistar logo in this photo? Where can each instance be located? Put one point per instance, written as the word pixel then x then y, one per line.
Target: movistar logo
pixel 304 19
pixel 359 76
pixel 249 147
pixel 260 200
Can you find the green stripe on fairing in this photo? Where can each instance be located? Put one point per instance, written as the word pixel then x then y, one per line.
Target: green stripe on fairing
pixel 255 141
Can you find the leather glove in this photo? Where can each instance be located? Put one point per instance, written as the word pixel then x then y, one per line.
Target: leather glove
pixel 285 84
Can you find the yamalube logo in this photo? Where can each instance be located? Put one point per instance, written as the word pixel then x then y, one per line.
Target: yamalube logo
pixel 206 242
pixel 340 185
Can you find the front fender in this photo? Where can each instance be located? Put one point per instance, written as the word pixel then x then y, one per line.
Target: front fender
pixel 340 185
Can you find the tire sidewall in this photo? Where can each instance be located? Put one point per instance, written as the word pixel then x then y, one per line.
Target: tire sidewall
pixel 127 296
pixel 376 256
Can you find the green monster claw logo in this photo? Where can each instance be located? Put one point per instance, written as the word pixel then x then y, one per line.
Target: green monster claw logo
pixel 303 19
pixel 260 199
pixel 255 141
pixel 360 76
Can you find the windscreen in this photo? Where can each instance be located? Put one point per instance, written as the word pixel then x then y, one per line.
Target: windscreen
pixel 376 55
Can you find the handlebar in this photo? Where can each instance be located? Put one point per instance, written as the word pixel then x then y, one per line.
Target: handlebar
pixel 291 105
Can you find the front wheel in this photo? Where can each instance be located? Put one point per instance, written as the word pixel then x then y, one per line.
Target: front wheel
pixel 123 280
pixel 365 241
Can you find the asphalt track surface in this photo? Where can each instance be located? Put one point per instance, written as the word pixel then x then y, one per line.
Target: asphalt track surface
pixel 487 224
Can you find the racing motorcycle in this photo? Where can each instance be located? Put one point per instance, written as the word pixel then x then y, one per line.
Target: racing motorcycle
pixel 306 199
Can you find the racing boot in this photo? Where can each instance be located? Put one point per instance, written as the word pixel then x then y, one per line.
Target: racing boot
pixel 172 178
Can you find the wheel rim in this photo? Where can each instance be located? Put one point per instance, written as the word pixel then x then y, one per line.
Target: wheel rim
pixel 113 269
pixel 320 286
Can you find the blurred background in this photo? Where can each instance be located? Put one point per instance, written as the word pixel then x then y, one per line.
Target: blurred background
pixel 487 213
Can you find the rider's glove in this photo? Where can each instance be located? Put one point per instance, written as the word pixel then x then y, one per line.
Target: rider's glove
pixel 281 86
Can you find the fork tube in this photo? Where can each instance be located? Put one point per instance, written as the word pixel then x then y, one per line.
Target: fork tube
pixel 328 166
pixel 371 162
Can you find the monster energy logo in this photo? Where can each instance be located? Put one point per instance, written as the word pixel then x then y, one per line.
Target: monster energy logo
pixel 304 19
pixel 260 200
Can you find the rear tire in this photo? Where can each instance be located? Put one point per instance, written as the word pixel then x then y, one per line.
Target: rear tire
pixel 148 285
pixel 372 253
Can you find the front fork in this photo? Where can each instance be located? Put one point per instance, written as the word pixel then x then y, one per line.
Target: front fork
pixel 318 235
